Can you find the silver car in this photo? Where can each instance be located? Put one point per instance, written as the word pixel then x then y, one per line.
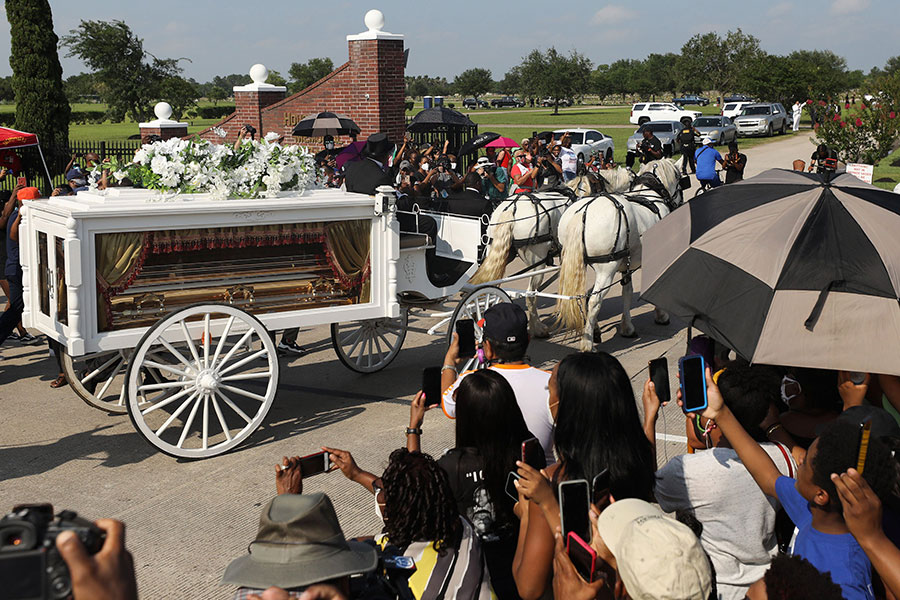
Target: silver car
pixel 720 129
pixel 762 119
pixel 666 131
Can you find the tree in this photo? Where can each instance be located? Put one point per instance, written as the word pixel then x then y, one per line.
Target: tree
pixel 660 69
pixel 511 82
pixel 304 75
pixel 554 74
pixel 863 132
pixel 180 93
pixel 6 89
pixel 77 87
pixel 41 104
pixel 129 77
pixel 718 63
pixel 275 78
pixel 423 85
pixel 473 82
pixel 229 82
pixel 215 94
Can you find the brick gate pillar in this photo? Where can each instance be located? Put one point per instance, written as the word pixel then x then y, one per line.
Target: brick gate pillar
pixel 163 125
pixel 251 99
pixel 377 59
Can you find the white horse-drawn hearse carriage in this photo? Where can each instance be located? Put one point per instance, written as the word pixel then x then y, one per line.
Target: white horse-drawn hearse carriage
pixel 164 306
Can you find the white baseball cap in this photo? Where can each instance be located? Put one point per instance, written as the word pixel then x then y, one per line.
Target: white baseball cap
pixel 657 557
pixel 707 140
pixel 483 162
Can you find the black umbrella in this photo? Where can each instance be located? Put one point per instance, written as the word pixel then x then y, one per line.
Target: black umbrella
pixel 325 123
pixel 479 141
pixel 786 269
pixel 438 117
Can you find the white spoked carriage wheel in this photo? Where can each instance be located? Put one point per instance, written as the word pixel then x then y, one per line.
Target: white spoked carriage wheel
pixel 221 368
pixel 473 306
pixel 99 379
pixel 369 346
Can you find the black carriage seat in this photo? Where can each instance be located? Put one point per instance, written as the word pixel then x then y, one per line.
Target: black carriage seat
pixel 411 239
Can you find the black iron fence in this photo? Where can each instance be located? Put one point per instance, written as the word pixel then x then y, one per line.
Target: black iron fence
pixel 33 170
pixel 456 134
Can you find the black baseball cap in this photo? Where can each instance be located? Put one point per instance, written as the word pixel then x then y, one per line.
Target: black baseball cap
pixel 506 322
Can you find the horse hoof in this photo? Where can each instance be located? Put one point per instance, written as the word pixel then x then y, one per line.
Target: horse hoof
pixel 628 334
pixel 540 332
pixel 663 322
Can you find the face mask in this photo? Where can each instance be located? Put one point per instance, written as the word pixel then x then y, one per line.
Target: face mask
pixel 452 166
pixel 425 166
pixel 785 383
pixel 329 145
pixel 378 509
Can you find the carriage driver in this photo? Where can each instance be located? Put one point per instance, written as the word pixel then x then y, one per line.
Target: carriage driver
pixel 364 176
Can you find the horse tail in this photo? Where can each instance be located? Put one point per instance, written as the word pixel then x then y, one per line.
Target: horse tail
pixel 570 313
pixel 494 265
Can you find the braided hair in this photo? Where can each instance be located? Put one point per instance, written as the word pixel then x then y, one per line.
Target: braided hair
pixel 419 503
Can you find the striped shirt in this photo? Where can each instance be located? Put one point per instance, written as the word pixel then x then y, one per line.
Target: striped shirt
pixel 459 573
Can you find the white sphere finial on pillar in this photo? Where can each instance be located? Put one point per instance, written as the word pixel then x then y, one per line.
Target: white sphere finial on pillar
pixel 374 20
pixel 163 111
pixel 259 73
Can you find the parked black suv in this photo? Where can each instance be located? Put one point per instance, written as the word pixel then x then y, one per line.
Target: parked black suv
pixel 507 101
pixel 473 103
pixel 690 99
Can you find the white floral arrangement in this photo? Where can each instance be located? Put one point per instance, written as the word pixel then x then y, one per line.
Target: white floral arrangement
pixel 254 169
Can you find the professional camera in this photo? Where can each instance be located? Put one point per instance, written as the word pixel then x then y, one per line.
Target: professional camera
pixel 444 162
pixel 31 567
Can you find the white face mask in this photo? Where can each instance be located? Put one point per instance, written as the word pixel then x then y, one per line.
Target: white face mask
pixel 425 166
pixel 377 505
pixel 785 382
pixel 453 166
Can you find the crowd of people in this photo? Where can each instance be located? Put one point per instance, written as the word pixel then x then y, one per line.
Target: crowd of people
pixel 775 498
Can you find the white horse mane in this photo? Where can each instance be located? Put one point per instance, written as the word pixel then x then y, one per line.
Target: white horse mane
pixel 667 170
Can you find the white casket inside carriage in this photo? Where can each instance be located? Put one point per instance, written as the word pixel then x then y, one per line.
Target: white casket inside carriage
pixel 100 268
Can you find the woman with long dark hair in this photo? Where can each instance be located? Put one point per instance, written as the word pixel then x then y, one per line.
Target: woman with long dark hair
pixel 597 427
pixel 490 430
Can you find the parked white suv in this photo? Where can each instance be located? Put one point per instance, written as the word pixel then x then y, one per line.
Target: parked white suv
pixel 733 109
pixel 643 112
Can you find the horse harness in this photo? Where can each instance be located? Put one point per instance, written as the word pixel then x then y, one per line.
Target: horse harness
pixel 621 217
pixel 516 244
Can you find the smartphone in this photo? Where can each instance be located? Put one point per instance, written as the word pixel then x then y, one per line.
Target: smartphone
pixel 693 383
pixel 659 375
pixel 315 464
pixel 465 330
pixel 511 490
pixel 582 556
pixel 865 432
pixel 600 488
pixel 573 508
pixel 22 181
pixel 431 385
pixel 531 454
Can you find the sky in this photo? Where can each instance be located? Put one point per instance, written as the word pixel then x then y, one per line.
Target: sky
pixel 444 38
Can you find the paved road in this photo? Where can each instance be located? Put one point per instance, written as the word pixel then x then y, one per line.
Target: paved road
pixel 187 520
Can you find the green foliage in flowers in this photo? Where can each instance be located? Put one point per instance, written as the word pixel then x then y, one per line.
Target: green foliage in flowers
pixel 864 132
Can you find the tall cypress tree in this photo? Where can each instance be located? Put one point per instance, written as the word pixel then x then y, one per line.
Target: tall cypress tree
pixel 41 104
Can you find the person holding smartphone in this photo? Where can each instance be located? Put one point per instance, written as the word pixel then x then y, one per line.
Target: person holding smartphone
pixel 505 344
pixel 597 428
pixel 490 430
pixel 713 482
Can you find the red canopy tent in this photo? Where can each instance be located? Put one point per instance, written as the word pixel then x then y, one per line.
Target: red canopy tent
pixel 12 138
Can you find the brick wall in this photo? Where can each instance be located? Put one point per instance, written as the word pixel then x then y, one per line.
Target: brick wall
pixel 375 68
pixel 164 132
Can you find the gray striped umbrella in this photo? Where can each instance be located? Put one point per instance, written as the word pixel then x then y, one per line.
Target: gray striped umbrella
pixel 325 123
pixel 786 270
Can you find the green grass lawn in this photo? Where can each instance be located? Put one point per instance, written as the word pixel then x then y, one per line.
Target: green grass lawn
pixel 121 131
pixel 884 169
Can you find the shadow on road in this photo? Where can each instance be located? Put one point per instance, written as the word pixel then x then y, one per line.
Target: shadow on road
pixel 36 458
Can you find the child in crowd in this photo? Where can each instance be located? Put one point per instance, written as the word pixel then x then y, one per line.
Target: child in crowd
pixel 811 500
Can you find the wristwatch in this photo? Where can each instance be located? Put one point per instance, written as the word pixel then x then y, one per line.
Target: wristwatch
pixel 413 431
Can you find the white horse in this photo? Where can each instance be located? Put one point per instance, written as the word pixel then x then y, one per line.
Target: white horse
pixel 611 181
pixel 525 227
pixel 605 232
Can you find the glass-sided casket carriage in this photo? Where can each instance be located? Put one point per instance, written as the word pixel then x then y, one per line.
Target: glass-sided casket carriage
pixel 164 307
